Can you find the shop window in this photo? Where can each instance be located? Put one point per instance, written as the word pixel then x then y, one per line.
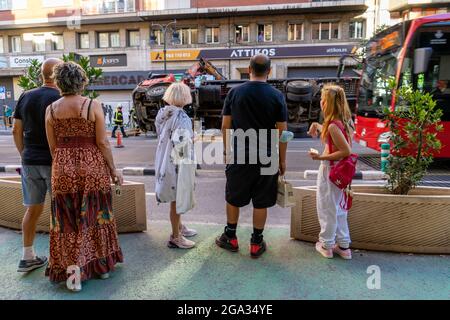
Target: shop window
pixel 83 41
pixel 295 31
pixel 212 35
pixel 242 34
pixel 15 44
pixel 58 42
pixel 5 4
pixel 39 42
pixel 188 35
pixel 134 38
pixel 325 30
pixel 264 33
pixel 357 29
pixel 108 39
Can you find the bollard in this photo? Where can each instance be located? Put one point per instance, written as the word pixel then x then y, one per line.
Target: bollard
pixel 385 152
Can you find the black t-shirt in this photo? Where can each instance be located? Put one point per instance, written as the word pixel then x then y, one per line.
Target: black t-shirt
pixel 255 105
pixel 30 110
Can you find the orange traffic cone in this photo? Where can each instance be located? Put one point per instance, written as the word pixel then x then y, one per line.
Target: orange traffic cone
pixel 119 141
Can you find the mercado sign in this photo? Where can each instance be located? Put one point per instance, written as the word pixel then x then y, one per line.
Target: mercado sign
pixel 248 52
pixel 124 80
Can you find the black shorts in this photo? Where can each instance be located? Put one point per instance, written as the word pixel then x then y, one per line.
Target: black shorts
pixel 245 183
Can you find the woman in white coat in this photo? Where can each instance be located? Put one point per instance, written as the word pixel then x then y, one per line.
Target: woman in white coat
pixel 175 136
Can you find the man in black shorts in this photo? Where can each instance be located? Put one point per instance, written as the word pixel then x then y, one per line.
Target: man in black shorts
pixel 251 108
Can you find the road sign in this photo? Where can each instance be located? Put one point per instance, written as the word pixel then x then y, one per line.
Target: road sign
pixel 2 93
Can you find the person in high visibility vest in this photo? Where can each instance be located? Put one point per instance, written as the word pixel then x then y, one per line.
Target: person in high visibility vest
pixel 118 122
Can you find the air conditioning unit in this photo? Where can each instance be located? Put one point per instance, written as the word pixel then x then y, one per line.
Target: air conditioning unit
pixel 129 207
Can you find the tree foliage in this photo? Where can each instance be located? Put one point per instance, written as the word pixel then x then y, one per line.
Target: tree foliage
pixel 33 78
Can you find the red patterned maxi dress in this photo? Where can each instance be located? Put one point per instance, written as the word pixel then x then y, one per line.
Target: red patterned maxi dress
pixel 82 225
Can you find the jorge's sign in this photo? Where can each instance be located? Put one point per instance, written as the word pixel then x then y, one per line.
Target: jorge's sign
pixel 117 60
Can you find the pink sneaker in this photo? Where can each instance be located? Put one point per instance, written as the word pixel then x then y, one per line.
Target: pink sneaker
pixel 344 254
pixel 327 253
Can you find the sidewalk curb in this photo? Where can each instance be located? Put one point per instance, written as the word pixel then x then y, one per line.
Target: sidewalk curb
pixel 359 175
pixel 10 168
pixel 138 171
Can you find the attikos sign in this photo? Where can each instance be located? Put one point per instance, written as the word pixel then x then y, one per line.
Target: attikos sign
pixel 248 52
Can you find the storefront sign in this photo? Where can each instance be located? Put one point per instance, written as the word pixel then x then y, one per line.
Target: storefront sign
pixel 124 80
pixel 175 55
pixel 23 61
pixel 116 60
pixel 246 53
pixel 3 62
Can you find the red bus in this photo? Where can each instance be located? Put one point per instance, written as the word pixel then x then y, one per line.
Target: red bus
pixel 414 53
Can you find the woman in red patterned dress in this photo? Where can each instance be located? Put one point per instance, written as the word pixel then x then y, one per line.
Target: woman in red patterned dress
pixel 82 227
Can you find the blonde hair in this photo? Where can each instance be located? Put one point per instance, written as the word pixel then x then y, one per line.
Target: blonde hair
pixel 178 94
pixel 335 107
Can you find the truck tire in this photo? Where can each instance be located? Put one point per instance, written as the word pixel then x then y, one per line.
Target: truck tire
pixel 303 98
pixel 156 92
pixel 299 87
pixel 300 129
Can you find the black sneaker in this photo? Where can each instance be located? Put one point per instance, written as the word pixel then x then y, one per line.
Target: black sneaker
pixel 30 265
pixel 227 243
pixel 257 249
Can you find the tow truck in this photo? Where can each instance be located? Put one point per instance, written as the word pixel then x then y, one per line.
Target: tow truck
pixel 302 96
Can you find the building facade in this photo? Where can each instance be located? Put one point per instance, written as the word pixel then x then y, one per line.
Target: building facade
pixel 402 10
pixel 304 38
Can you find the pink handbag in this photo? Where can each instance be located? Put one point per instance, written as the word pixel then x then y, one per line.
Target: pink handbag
pixel 342 173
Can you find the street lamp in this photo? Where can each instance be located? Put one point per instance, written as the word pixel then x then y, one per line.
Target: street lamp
pixel 164 28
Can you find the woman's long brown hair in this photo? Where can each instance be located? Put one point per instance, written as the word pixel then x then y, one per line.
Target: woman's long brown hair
pixel 335 107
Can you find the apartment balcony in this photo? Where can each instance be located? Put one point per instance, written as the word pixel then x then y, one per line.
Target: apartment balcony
pixel 222 8
pixel 401 5
pixel 101 7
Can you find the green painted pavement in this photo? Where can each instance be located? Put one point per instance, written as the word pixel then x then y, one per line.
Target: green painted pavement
pixel 289 270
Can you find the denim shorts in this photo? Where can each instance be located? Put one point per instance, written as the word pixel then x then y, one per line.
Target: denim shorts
pixel 36 182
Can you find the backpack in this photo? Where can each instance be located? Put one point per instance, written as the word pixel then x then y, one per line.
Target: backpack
pixel 342 173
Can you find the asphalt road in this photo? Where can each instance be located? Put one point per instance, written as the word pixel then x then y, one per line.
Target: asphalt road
pixel 140 152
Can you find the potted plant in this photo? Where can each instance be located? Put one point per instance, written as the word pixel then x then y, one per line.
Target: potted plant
pixel 414 125
pixel 400 216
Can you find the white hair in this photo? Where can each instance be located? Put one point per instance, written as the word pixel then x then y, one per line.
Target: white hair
pixel 178 94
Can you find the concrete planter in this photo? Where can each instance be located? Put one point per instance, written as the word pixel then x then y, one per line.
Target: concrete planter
pixel 129 208
pixel 416 223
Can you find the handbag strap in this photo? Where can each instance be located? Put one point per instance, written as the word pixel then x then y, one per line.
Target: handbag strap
pixel 330 140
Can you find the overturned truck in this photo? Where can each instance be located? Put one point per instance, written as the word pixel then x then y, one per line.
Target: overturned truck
pixel 302 97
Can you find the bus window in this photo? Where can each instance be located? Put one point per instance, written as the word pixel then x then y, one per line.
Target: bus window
pixel 375 93
pixel 436 79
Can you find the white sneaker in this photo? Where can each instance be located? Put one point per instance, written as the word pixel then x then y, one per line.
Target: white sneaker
pixel 104 276
pixel 180 242
pixel 186 232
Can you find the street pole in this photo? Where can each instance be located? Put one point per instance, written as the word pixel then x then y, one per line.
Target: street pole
pixel 164 52
pixel 164 29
